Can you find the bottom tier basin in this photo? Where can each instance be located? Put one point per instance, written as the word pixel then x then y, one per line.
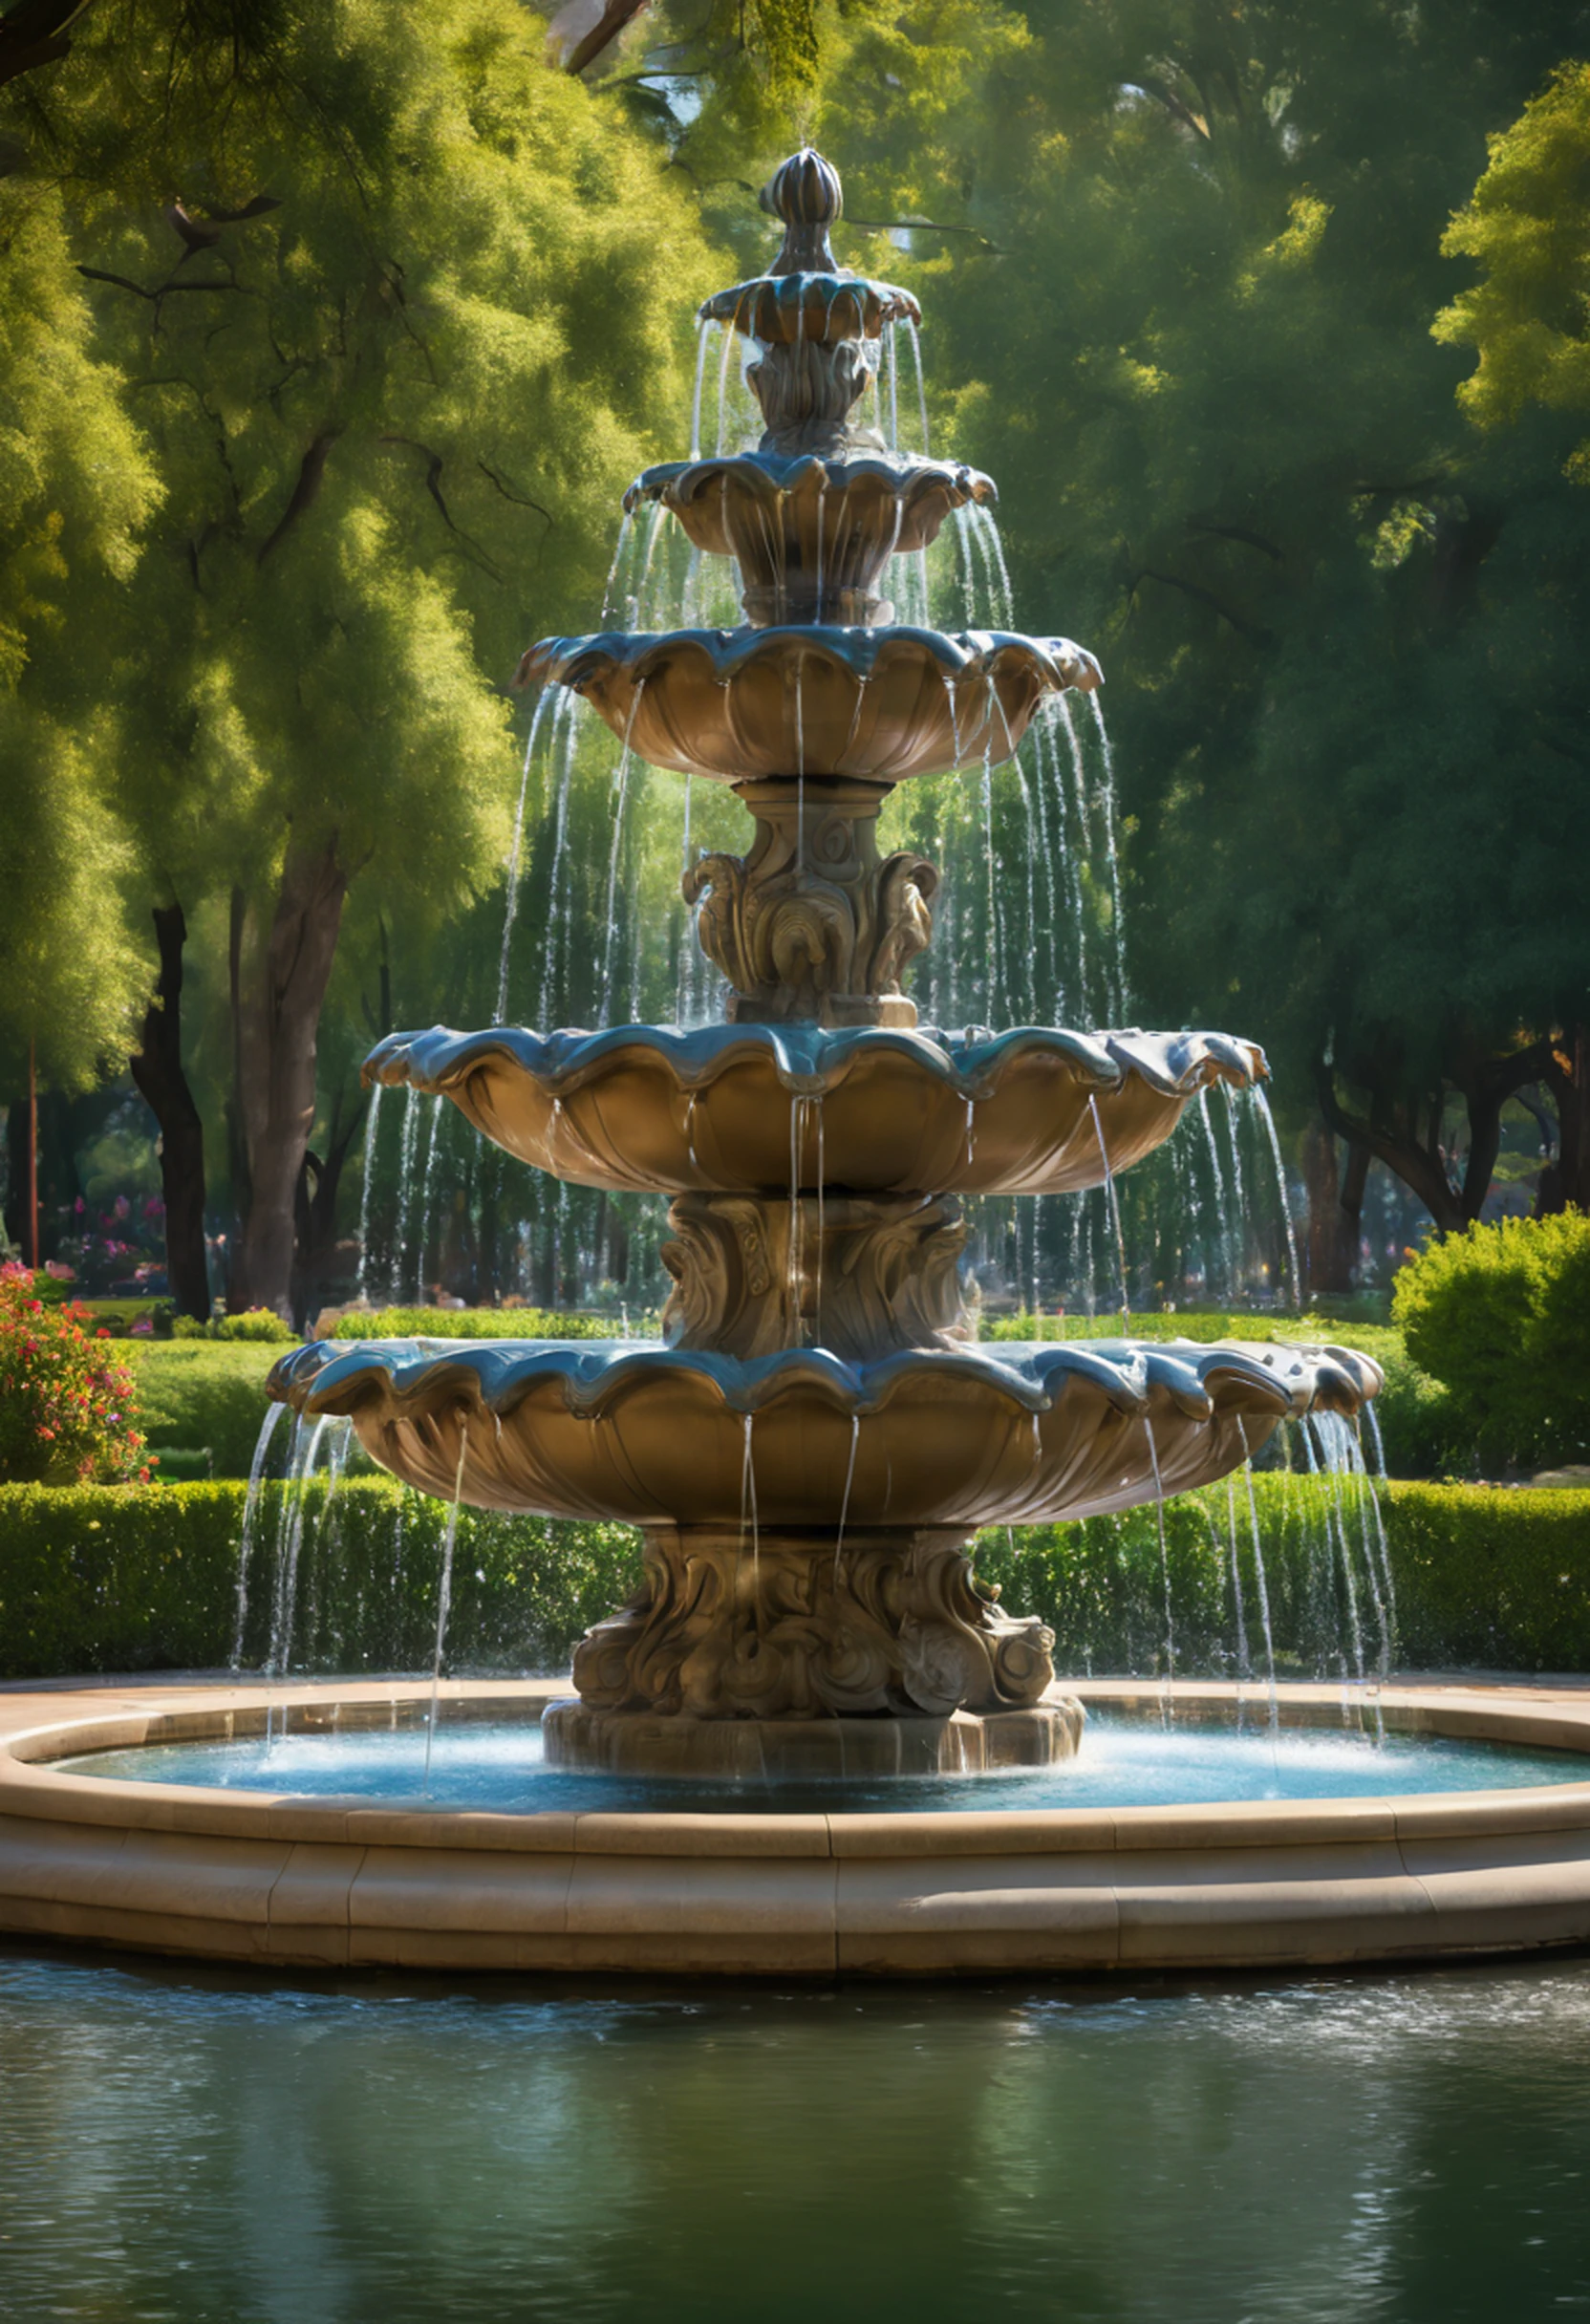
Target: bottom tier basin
pixel 951 1438
pixel 805 1520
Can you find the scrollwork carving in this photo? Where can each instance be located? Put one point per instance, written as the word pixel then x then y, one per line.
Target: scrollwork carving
pixel 811 925
pixel 859 1275
pixel 893 1621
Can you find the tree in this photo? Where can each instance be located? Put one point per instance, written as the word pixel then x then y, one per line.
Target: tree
pixel 1177 263
pixel 394 352
pixel 76 491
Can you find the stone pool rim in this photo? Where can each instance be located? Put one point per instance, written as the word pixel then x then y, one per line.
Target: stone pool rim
pixel 284 1881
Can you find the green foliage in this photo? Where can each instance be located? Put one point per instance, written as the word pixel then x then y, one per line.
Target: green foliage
pixel 98 1578
pixel 1528 225
pixel 253 1323
pixel 1168 258
pixel 148 1580
pixel 1421 1430
pixel 471 1324
pixel 76 489
pixel 68 1408
pixel 1499 1316
pixel 353 430
pixel 200 1394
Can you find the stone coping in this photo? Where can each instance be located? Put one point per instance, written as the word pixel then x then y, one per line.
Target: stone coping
pixel 276 1880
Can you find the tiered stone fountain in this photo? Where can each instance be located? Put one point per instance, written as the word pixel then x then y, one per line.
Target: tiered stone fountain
pixel 815 1442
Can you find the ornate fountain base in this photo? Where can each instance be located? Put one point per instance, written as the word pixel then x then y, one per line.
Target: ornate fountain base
pixel 784 1651
pixel 652 1743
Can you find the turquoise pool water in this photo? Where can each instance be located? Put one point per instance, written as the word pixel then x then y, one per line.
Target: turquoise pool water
pixel 1123 1762
pixel 178 2146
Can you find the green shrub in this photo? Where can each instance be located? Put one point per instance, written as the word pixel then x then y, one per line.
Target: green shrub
pixel 68 1408
pixel 147 1578
pixel 1499 1316
pixel 201 1393
pixel 479 1324
pixel 253 1323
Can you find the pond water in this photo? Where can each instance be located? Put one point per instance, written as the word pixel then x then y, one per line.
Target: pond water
pixel 201 2144
pixel 1123 1762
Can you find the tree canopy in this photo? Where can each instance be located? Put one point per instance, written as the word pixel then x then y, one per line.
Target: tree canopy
pixel 329 338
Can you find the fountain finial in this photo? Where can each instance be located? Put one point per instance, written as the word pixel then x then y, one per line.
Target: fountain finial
pixel 806 193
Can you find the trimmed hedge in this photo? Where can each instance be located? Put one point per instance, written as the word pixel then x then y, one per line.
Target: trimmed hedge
pixel 95 1579
pixel 119 1578
pixel 1482 1577
pixel 1378 1340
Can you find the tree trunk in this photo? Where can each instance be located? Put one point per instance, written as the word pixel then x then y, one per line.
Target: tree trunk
pixel 1354 1182
pixel 1388 1128
pixel 315 1217
pixel 1565 1185
pixel 1331 1255
pixel 32 1158
pixel 279 997
pixel 157 1068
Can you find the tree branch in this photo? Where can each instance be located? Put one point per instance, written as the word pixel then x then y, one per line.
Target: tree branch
pixel 433 485
pixel 520 500
pixel 575 40
pixel 34 34
pixel 167 290
pixel 1252 630
pixel 926 225
pixel 311 474
pixel 1240 532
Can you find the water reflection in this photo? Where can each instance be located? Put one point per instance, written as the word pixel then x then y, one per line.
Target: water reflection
pixel 194 2145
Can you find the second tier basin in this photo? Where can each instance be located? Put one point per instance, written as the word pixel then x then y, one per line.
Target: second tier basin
pixel 743 1108
pixel 878 705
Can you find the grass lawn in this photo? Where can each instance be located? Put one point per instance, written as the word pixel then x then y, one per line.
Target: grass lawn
pixel 200 1396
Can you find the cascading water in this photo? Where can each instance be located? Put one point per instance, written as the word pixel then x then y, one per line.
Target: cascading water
pixel 844 722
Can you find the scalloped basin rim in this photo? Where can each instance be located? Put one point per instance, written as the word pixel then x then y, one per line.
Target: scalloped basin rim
pixel 823 287
pixel 792 472
pixel 809 1060
pixel 856 649
pixel 326 1376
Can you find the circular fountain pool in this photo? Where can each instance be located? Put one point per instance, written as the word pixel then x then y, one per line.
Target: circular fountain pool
pixel 1125 1761
pixel 1468 1831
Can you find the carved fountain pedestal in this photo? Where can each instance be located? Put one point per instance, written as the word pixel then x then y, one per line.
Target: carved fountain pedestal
pixel 815 1442
pixel 802 1654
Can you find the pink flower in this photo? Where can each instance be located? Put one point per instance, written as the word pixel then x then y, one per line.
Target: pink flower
pixel 59 1272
